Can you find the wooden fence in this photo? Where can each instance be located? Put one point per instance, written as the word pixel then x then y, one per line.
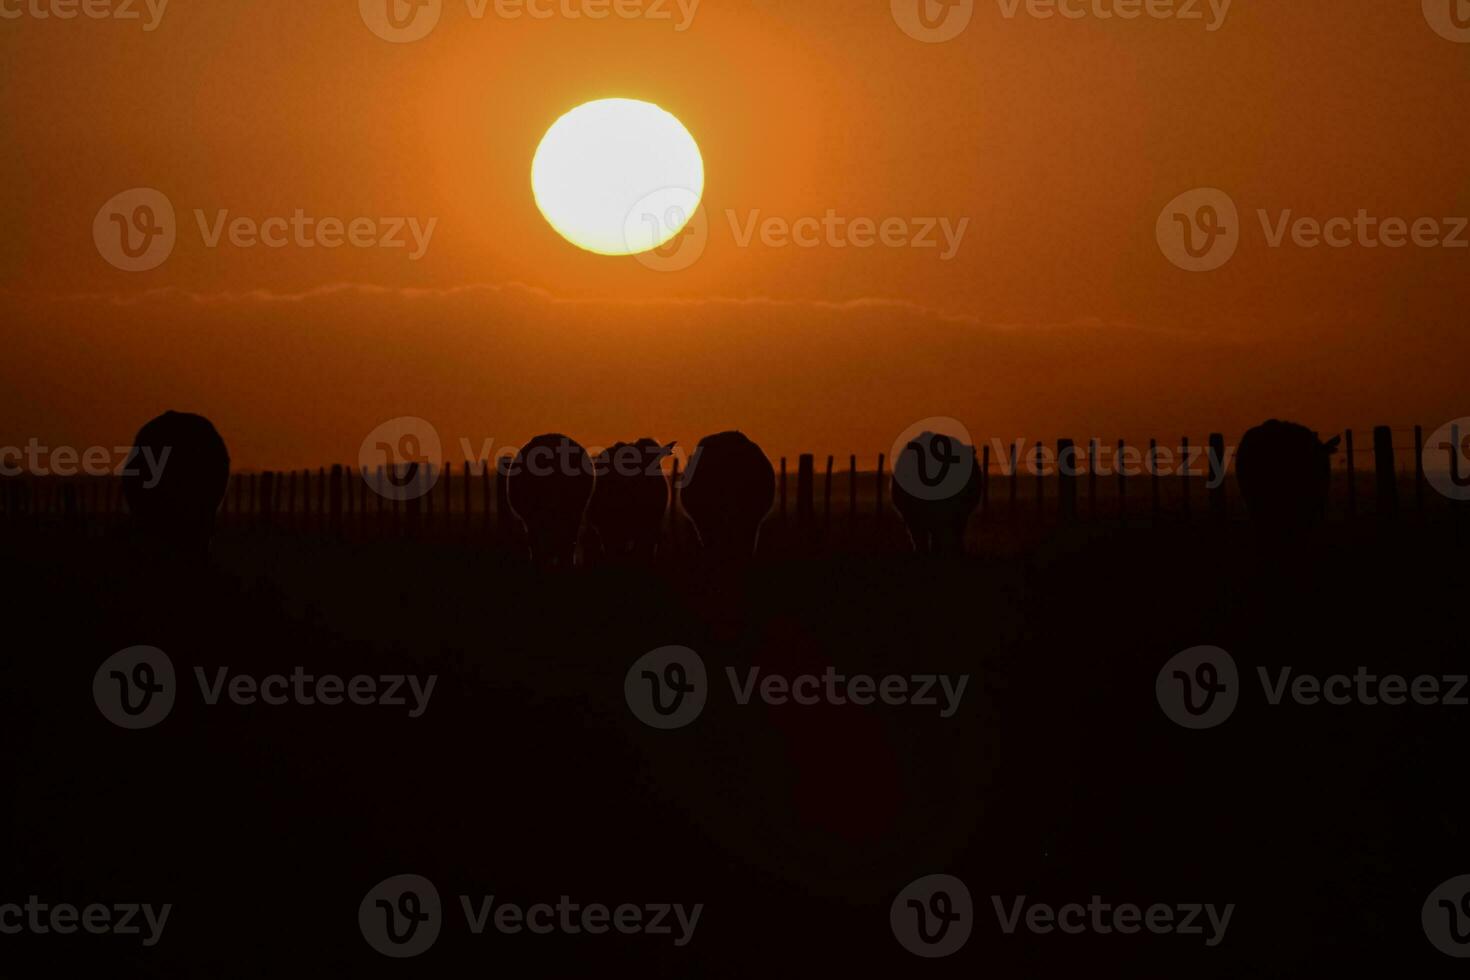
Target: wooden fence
pixel 1019 487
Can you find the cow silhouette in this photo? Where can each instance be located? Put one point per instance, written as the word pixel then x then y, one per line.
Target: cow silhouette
pixel 1285 472
pixel 547 486
pixel 936 487
pixel 727 493
pixel 630 499
pixel 175 479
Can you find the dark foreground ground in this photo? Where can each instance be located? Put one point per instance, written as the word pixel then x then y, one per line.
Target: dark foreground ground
pixel 529 778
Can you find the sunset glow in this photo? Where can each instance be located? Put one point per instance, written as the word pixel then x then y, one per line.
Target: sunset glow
pixel 617 176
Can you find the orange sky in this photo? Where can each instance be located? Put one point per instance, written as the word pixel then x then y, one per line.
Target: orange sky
pixel 1060 140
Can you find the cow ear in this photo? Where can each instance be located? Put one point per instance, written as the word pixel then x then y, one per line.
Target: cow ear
pixel 1331 444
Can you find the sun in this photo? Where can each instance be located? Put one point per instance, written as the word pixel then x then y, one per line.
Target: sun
pixel 617 176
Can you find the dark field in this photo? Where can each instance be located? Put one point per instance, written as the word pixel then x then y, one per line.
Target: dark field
pixel 1058 777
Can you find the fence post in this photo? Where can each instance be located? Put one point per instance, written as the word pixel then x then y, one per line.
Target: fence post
pixel 984 483
pixel 1460 512
pixel 1067 479
pixel 805 491
pixel 1153 472
pixel 379 504
pixel 1092 454
pixel 1352 478
pixel 446 470
pixel 336 498
pixel 354 492
pixel 413 507
pixel 852 489
pixel 99 503
pixel 397 508
pixel 1040 483
pixel 1218 504
pixel 357 495
pixel 782 488
pixel 827 499
pixel 878 509
pixel 485 487
pixel 1388 481
pixel 385 513
pixel 1186 480
pixel 465 493
pixel 1454 450
pixel 266 506
pixel 1419 469
pixel 1015 476
pixel 1122 482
